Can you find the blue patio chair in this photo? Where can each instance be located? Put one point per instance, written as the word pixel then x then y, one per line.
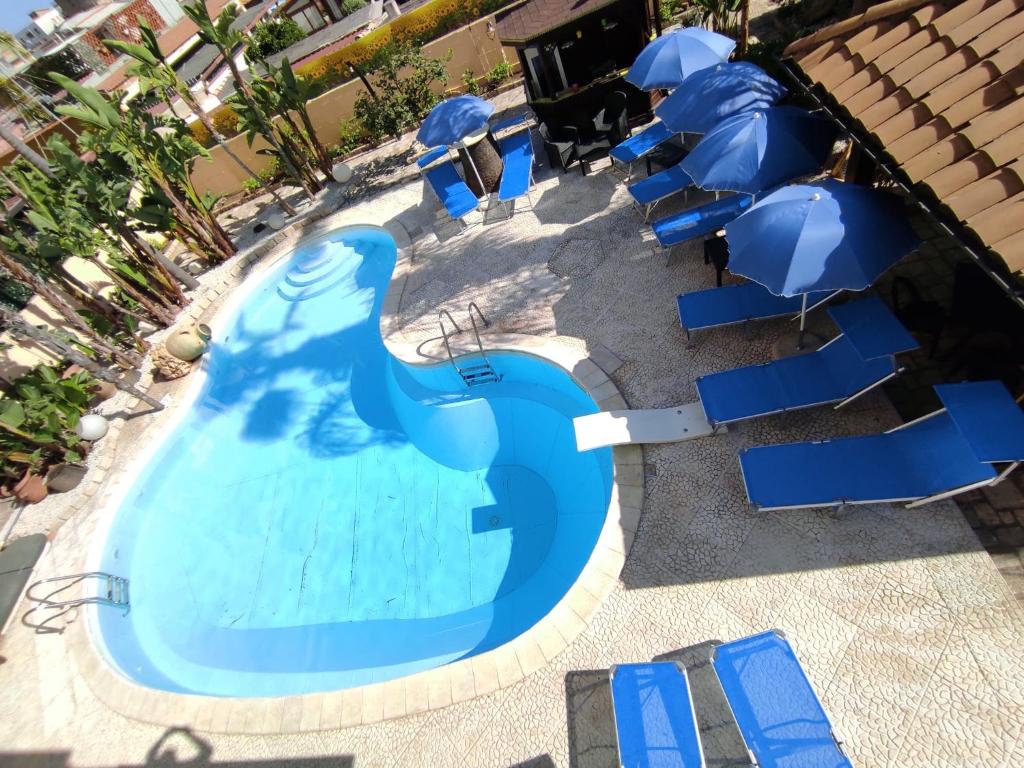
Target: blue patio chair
pixel 861 358
pixel 699 221
pixel 638 145
pixel 778 713
pixel 431 156
pixel 647 193
pixel 937 456
pixel 457 198
pixel 517 174
pixel 654 717
pixel 510 122
pixel 732 304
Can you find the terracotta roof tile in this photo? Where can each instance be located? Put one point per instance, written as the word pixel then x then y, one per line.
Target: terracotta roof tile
pixel 903 123
pixel 955 177
pixel 941 85
pixel 916 141
pixel 955 63
pixel 1000 221
pixel 984 193
pixel 535 17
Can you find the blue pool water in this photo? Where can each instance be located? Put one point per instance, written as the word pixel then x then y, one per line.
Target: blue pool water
pixel 325 516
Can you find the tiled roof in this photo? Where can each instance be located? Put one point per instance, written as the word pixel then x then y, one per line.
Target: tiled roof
pixel 535 17
pixel 940 85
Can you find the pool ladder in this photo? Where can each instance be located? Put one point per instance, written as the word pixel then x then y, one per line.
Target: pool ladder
pixel 472 375
pixel 113 591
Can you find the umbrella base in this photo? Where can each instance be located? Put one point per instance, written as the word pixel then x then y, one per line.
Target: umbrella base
pixel 788 344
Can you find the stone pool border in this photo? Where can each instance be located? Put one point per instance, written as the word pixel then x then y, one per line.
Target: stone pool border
pixel 433 689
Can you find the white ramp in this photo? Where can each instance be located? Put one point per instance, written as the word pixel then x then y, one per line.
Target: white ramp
pixel 659 425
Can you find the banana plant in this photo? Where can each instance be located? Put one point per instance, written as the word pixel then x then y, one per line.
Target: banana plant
pixel 292 95
pixel 156 75
pixel 159 150
pixel 227 41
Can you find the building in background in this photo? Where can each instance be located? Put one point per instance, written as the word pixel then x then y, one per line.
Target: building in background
pixel 43 22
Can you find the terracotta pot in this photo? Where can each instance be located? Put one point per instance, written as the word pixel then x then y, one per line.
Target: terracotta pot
pixel 64 477
pixel 188 343
pixel 30 489
pixel 103 390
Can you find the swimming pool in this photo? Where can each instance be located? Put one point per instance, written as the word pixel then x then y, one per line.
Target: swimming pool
pixel 326 516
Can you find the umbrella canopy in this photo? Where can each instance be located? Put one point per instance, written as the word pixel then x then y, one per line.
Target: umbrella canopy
pixel 754 151
pixel 717 92
pixel 825 236
pixel 668 60
pixel 454 119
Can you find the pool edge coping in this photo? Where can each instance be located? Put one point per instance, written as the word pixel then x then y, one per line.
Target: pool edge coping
pixel 429 690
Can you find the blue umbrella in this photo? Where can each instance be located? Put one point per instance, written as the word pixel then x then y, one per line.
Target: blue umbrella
pixel 668 60
pixel 717 92
pixel 754 151
pixel 454 119
pixel 826 236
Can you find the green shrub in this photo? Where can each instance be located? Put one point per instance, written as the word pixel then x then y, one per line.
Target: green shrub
pixel 38 419
pixel 472 86
pixel 351 6
pixel 273 36
pixel 406 84
pixel 501 72
pixel 251 186
pixel 351 136
pixel 670 9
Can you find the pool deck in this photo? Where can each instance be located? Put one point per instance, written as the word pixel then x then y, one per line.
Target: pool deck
pixel 907 630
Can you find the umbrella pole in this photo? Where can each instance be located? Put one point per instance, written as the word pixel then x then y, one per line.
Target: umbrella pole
pixel 483 189
pixel 803 323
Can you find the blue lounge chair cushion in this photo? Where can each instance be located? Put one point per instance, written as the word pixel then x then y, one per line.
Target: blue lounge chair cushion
pixel 509 122
pixel 778 713
pixel 660 185
pixel 872 329
pixel 832 373
pixel 451 190
pixel 432 155
pixel 736 304
pixel 654 718
pixel 517 156
pixel 988 418
pixel 695 222
pixel 926 458
pixel 640 144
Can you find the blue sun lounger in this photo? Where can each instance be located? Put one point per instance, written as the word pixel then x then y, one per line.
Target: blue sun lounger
pixel 517 174
pixel 778 713
pixel 654 717
pixel 647 193
pixel 457 198
pixel 431 156
pixel 740 303
pixel 861 358
pixel 699 221
pixel 937 456
pixel 638 145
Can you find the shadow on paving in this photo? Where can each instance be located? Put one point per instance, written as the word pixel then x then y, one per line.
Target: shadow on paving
pixel 591 722
pixel 177 748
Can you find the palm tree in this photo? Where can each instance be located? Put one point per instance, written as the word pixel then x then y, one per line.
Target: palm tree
pixel 226 40
pixel 155 73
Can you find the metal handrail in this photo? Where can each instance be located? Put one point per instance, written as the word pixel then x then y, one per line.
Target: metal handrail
pixel 444 334
pixel 77 578
pixel 476 332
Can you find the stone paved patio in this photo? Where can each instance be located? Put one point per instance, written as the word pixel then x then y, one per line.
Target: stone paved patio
pixel 907 630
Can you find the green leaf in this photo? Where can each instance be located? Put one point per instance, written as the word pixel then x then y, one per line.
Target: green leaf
pixel 13 413
pixel 138 52
pixel 48 374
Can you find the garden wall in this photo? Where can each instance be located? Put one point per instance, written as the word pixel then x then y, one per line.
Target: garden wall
pixel 471 46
